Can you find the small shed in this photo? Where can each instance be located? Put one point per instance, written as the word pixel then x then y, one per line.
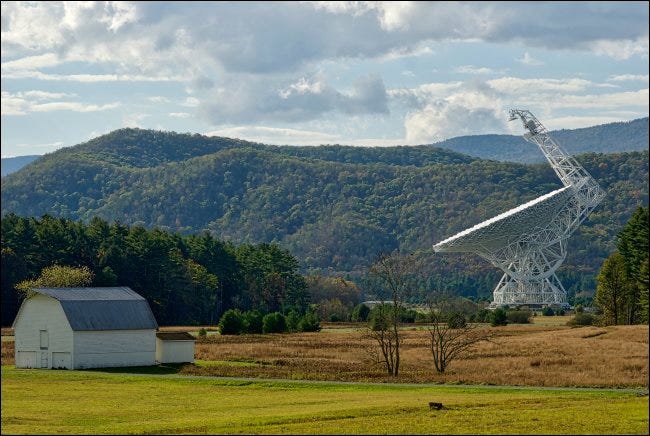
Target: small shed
pixel 76 328
pixel 174 347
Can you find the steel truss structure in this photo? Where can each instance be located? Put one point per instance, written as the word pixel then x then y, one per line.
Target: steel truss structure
pixel 529 242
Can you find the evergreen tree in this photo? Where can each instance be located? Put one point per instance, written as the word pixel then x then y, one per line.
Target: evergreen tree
pixel 612 293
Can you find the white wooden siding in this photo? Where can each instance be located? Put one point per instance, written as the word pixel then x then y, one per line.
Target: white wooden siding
pixel 110 348
pixel 170 351
pixel 41 318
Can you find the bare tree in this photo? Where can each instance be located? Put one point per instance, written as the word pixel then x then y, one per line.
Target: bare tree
pixel 397 276
pixel 451 337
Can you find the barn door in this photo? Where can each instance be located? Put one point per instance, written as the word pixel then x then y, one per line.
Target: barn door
pixel 44 359
pixel 45 344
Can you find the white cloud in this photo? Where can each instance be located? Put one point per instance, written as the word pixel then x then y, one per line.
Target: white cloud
pixel 22 103
pixel 274 135
pixel 88 78
pixel 527 59
pixel 629 77
pixel 471 69
pixel 158 99
pixel 515 85
pixel 71 106
pixel 179 115
pixel 263 99
pixel 621 49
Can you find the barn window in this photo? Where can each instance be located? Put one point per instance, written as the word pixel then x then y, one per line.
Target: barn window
pixel 45 340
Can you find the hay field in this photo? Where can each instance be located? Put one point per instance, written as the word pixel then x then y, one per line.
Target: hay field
pixel 538 354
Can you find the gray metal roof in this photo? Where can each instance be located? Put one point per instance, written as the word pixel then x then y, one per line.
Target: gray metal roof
pixel 175 336
pixel 116 308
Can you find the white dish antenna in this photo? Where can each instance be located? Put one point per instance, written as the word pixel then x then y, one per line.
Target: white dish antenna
pixel 529 242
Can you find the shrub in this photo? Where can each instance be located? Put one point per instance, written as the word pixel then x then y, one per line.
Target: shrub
pixel 519 316
pixel 423 317
pixel 274 323
pixel 360 312
pixel 292 319
pixel 252 322
pixel 548 311
pixel 583 319
pixel 379 318
pixel 408 315
pixel 482 315
pixel 309 322
pixel 231 322
pixel 456 320
pixel 579 308
pixel 202 332
pixel 498 317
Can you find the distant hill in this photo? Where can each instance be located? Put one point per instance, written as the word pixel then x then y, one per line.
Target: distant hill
pixel 605 138
pixel 13 164
pixel 334 207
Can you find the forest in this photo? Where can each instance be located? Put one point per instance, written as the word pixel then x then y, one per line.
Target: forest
pixel 187 280
pixel 334 209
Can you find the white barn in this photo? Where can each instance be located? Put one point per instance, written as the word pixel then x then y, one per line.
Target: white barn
pixel 174 347
pixel 77 328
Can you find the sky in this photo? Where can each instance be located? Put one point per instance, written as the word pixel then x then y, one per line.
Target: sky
pixel 310 73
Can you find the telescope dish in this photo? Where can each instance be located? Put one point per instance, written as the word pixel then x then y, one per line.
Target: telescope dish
pixel 510 226
pixel 529 242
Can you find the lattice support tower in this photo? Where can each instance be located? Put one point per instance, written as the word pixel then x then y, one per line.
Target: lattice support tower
pixel 529 242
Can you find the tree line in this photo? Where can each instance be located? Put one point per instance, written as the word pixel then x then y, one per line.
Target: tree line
pixel 333 207
pixel 622 291
pixel 187 279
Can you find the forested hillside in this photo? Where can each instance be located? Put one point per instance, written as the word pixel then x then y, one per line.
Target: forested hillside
pixel 605 138
pixel 334 208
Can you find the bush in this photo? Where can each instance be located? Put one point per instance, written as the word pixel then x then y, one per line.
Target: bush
pixel 423 317
pixel 292 319
pixel 519 316
pixel 360 312
pixel 408 315
pixel 456 320
pixel 548 311
pixel 274 323
pixel 498 317
pixel 309 322
pixel 482 315
pixel 202 332
pixel 252 322
pixel 583 319
pixel 379 318
pixel 231 322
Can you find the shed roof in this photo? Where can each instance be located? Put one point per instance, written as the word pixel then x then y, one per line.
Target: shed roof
pixel 175 336
pixel 114 308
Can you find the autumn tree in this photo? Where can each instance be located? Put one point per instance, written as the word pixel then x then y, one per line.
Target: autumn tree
pixel 450 336
pixel 57 276
pixel 397 277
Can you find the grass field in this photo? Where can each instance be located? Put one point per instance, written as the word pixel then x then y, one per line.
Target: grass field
pixel 546 353
pixel 95 402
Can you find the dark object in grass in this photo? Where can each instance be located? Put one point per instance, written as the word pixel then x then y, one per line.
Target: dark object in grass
pixel 436 406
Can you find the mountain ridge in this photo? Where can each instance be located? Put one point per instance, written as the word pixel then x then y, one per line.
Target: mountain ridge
pixel 507 148
pixel 334 207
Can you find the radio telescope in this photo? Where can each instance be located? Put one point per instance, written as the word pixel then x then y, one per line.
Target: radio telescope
pixel 529 242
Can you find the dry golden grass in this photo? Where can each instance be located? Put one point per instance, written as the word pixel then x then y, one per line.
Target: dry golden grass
pixel 537 354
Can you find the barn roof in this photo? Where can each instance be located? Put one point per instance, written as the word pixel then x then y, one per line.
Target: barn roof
pixel 115 308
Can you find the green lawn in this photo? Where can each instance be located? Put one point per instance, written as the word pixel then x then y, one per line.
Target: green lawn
pixel 93 402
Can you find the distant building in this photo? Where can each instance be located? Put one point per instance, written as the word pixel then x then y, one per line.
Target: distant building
pixel 174 347
pixel 76 328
